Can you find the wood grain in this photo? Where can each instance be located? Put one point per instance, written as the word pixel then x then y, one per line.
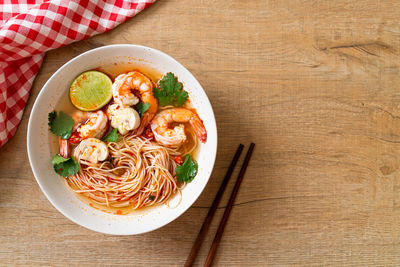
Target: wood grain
pixel 315 84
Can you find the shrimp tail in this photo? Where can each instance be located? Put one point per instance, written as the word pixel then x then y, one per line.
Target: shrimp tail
pixel 147 117
pixel 199 128
pixel 64 147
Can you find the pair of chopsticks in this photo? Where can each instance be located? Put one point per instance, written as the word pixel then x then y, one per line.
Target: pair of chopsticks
pixel 213 208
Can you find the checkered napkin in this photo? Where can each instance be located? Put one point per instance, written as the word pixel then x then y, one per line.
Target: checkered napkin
pixel 29 28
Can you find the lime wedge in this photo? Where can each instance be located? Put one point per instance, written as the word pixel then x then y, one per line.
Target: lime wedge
pixel 90 91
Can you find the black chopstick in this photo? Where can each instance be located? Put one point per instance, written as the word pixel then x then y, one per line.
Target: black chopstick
pixel 213 208
pixel 228 209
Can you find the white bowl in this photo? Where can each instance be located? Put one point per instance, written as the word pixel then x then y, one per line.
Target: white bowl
pixel 41 147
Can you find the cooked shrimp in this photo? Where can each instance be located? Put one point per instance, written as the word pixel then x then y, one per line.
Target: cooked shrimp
pixel 166 135
pixel 88 124
pixel 64 147
pixel 123 94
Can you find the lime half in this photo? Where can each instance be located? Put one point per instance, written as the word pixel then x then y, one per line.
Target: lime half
pixel 91 90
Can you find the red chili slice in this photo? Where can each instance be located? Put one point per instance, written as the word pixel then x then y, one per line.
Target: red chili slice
pixel 179 160
pixel 75 138
pixel 148 133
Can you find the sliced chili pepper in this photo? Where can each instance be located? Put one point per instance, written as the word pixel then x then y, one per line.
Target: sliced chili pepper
pixel 148 133
pixel 75 138
pixel 179 160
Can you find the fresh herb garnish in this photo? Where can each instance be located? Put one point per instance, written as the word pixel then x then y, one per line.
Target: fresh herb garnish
pixel 151 197
pixel 57 159
pixel 142 107
pixel 170 91
pixel 187 171
pixel 111 136
pixel 52 116
pixel 65 167
pixel 61 124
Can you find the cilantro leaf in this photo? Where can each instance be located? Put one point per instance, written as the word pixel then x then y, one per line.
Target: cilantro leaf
pixel 142 107
pixel 52 116
pixel 65 168
pixel 61 124
pixel 151 197
pixel 187 171
pixel 111 136
pixel 58 159
pixel 170 91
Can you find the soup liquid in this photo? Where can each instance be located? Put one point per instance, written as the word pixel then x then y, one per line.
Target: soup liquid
pixel 113 70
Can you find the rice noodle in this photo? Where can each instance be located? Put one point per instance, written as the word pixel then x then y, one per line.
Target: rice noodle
pixel 140 173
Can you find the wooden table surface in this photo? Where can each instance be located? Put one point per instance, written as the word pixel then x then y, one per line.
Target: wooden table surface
pixel 315 84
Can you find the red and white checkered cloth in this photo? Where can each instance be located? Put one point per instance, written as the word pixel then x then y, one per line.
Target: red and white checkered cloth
pixel 29 28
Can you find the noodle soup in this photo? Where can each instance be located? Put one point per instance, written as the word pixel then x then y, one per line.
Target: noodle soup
pixel 136 151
